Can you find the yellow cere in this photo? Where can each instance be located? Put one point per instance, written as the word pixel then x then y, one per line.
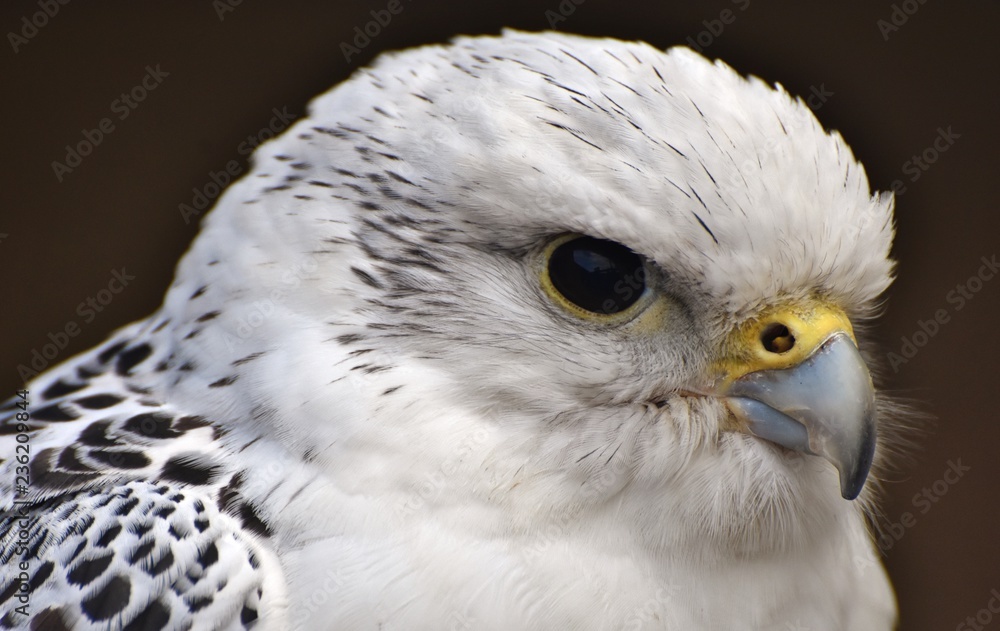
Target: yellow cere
pixel 810 323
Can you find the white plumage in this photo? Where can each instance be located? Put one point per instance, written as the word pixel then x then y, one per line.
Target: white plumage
pixel 369 401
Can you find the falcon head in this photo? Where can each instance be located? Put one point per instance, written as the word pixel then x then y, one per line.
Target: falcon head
pixel 560 276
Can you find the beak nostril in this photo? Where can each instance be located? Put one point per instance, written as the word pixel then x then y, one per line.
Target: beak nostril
pixel 776 338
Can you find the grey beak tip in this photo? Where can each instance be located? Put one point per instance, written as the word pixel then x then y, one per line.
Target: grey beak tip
pixel 852 480
pixel 823 406
pixel 850 486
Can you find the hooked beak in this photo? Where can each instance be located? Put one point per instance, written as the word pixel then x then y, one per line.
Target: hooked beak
pixel 798 380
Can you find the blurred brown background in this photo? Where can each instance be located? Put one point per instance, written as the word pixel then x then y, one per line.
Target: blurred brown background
pixel 894 75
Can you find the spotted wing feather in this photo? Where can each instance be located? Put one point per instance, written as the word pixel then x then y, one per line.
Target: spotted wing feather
pixel 132 517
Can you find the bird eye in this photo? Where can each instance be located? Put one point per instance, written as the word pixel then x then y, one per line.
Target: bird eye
pixel 595 275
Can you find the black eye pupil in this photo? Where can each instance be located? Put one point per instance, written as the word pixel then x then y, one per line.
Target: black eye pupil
pixel 597 275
